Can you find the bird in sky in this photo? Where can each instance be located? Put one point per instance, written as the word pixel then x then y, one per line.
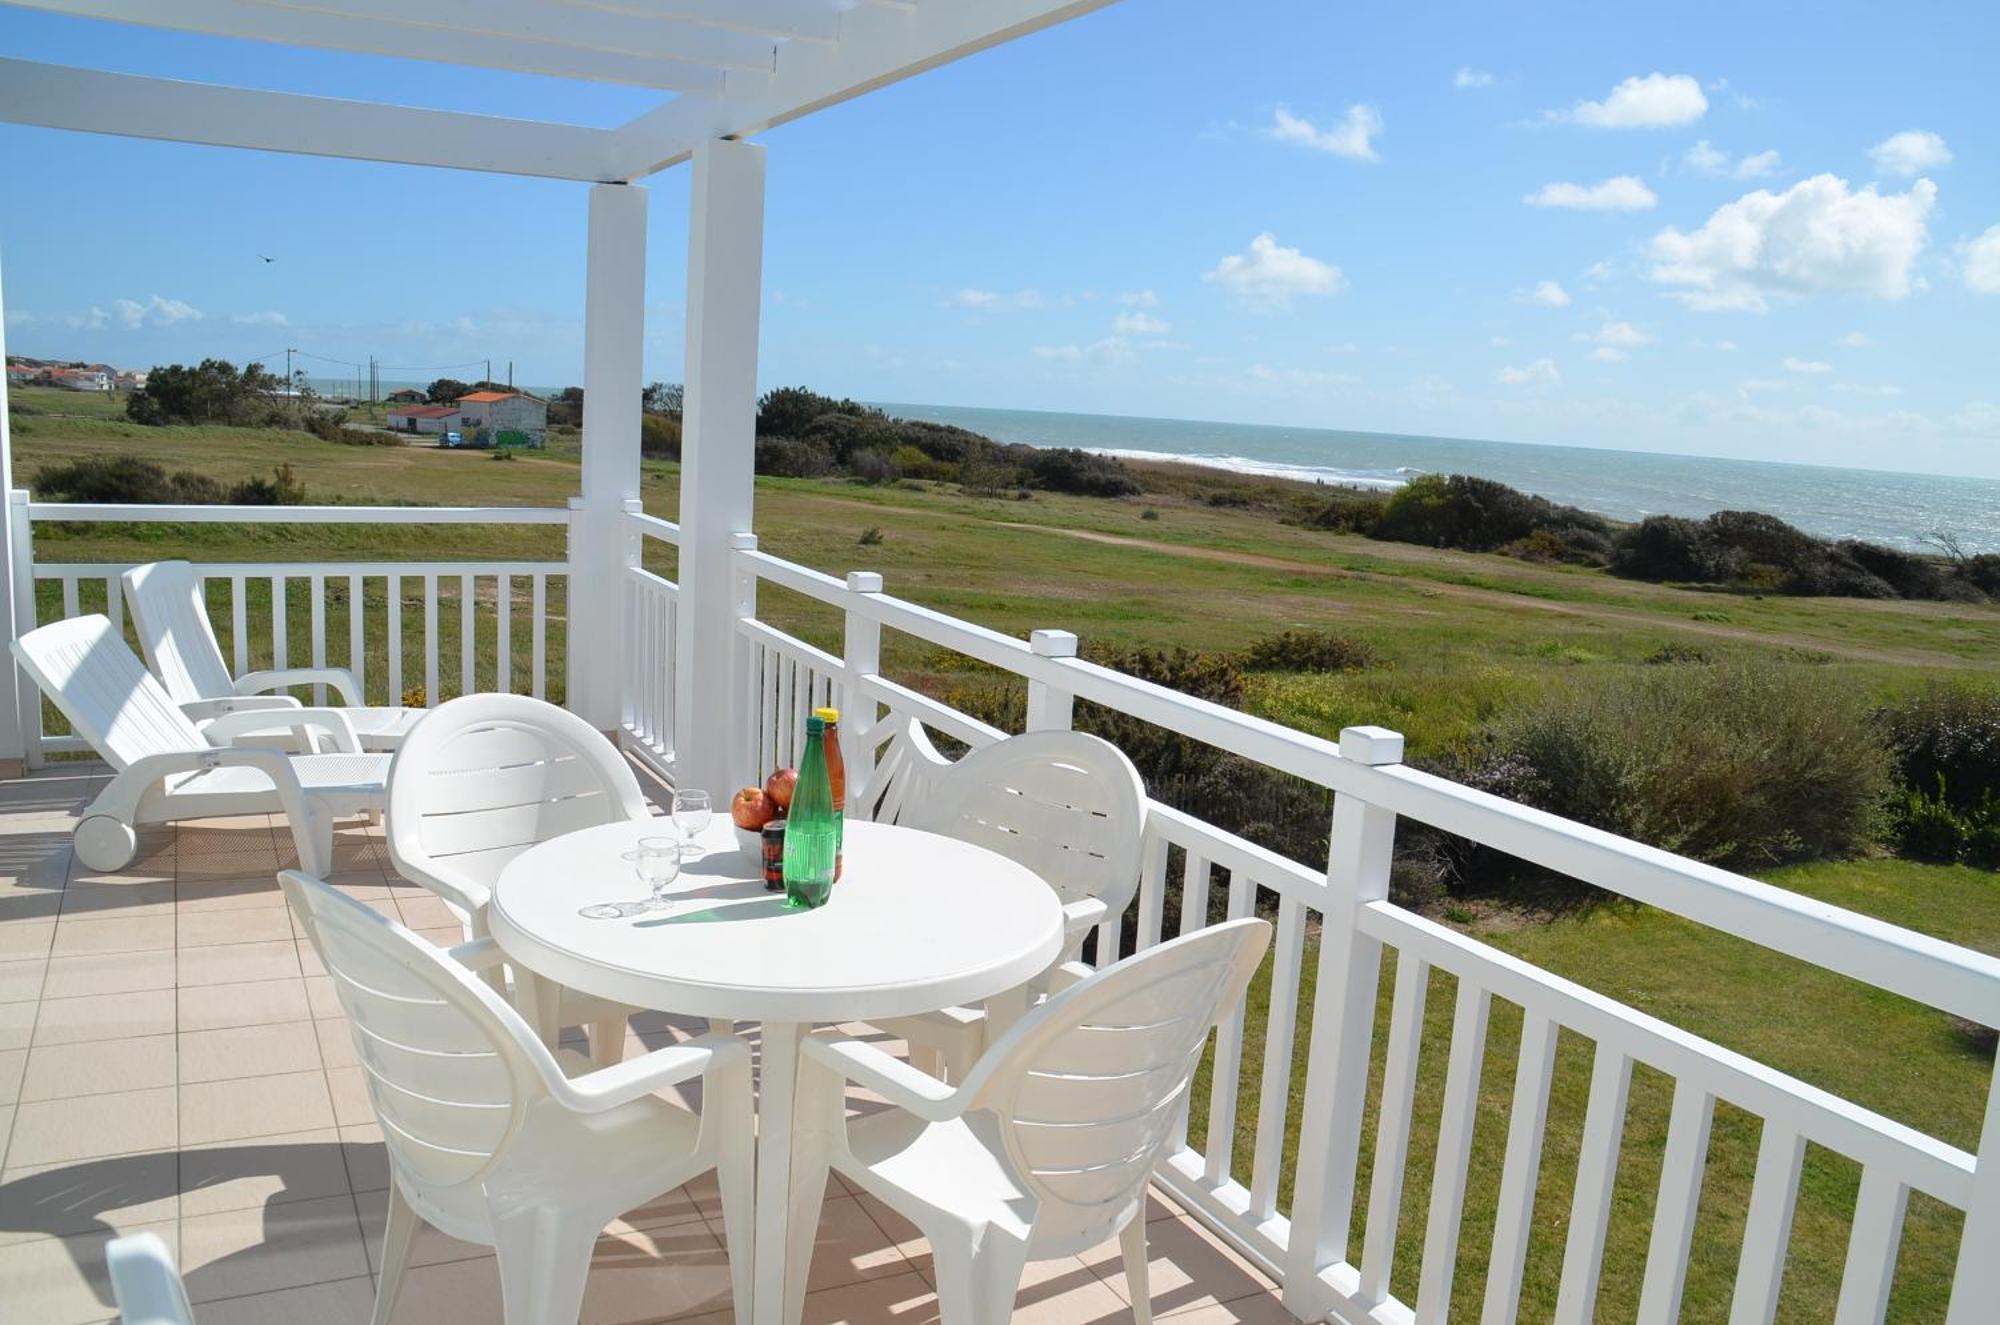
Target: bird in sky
pixel 267 259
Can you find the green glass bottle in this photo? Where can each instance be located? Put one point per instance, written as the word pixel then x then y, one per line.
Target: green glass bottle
pixel 812 829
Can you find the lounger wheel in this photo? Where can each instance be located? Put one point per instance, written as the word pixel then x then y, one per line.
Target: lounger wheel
pixel 105 844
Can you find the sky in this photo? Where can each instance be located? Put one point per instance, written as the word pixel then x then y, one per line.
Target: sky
pixel 1709 229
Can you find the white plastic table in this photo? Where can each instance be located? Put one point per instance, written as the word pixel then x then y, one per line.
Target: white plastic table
pixel 917 922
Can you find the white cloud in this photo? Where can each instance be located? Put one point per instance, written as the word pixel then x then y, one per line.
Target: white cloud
pixel 1910 152
pixel 261 319
pixel 158 311
pixel 1549 294
pixel 1809 367
pixel 1542 372
pixel 1499 342
pixel 1726 346
pixel 1817 237
pixel 1863 389
pixel 1622 334
pixel 1297 379
pixel 92 320
pixel 991 301
pixel 1111 349
pixel 19 317
pixel 1468 78
pixel 1270 276
pixel 1139 324
pixel 1139 299
pixel 1345 347
pixel 1856 340
pixel 1599 271
pixel 1608 354
pixel 1349 137
pixel 1709 159
pixel 1981 259
pixel 1656 101
pixel 1758 165
pixel 1621 193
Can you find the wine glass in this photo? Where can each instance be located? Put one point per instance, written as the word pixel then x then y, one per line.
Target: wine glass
pixel 692 812
pixel 657 861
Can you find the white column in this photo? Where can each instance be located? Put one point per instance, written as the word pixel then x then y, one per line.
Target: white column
pixel 13 747
pixel 718 452
pixel 614 333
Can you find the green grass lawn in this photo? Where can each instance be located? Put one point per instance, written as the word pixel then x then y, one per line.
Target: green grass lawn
pixel 1462 638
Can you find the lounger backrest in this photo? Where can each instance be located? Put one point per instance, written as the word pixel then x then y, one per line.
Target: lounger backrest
pixel 107 694
pixel 174 630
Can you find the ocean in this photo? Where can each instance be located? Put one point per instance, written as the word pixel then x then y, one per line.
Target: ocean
pixel 1881 506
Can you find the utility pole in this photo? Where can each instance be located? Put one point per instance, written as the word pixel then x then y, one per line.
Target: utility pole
pixel 510 374
pixel 489 370
pixel 291 387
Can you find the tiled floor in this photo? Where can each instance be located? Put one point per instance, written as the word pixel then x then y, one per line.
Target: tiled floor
pixel 172 1059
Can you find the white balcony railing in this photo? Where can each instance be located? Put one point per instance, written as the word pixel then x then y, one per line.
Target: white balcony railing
pixel 1277 1176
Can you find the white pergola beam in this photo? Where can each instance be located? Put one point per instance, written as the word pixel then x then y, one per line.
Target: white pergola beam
pixel 806 20
pixel 879 44
pixel 251 21
pixel 60 97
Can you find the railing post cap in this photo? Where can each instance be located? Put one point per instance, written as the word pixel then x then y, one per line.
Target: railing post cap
pixel 633 506
pixel 743 541
pixel 1371 745
pixel 577 503
pixel 1052 643
pixel 864 581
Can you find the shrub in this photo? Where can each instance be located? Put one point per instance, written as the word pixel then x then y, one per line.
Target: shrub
pixel 1667 547
pixel 872 467
pixel 660 436
pixel 871 536
pixel 1948 739
pixel 793 457
pixel 1149 514
pixel 1079 473
pixel 1981 572
pixel 1475 515
pixel 213 391
pixel 281 489
pixel 129 479
pixel 1343 513
pixel 1672 654
pixel 1308 651
pixel 913 463
pixel 1745 765
pixel 1925 827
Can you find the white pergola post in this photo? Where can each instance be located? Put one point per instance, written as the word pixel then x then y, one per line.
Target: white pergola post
pixel 13 743
pixel 614 332
pixel 718 454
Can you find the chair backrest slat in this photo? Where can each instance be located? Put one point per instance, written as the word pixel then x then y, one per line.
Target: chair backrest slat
pixel 174 630
pixel 1087 1088
pixel 107 694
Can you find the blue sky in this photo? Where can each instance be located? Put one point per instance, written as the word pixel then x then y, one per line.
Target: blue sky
pixel 1714 229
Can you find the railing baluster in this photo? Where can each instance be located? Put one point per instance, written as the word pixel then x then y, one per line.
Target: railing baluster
pixel 357 643
pixel 1227 1077
pixel 1872 1246
pixel 1392 1129
pixel 392 594
pixel 503 607
pixel 539 626
pixel 70 608
pixel 114 603
pixel 431 696
pixel 316 607
pixel 1454 1151
pixel 239 622
pixel 281 638
pixel 468 635
pixel 1682 1169
pixel 1280 1035
pixel 1513 1221
pixel 1195 875
pixel 1767 1234
pixel 1596 1170
pixel 1152 889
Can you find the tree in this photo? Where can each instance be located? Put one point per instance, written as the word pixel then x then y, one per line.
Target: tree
pixel 213 391
pixel 662 398
pixel 567 408
pixel 445 390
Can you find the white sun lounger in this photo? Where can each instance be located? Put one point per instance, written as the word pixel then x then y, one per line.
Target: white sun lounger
pixel 170 769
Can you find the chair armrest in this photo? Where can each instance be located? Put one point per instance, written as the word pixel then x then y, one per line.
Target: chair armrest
pixel 891 1078
pixel 342 681
pixel 1067 974
pixel 609 1087
pixel 303 721
pixel 129 787
pixel 203 710
pixel 477 954
pixel 467 896
pixel 1080 917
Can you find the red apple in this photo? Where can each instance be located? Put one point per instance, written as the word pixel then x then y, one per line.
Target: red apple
pixel 751 809
pixel 780 787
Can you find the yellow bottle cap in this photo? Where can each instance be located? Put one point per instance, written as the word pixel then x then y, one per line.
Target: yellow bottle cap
pixel 827 714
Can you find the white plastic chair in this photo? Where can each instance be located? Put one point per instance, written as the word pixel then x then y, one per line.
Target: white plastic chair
pixel 170 768
pixel 144 1282
pixel 483 778
pixel 1067 805
pixel 174 630
pixel 1047 1147
pixel 490 1138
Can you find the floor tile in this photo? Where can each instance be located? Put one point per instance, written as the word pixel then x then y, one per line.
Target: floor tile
pixel 351 1105
pixel 22 980
pixel 264 924
pixel 54 1131
pixel 98 1067
pixel 1188 1266
pixel 237 963
pixel 17 1024
pixel 251 1003
pixel 109 973
pixel 262 1249
pixel 432 1246
pixel 336 1043
pixel 248 1051
pixel 13 1062
pixel 26 937
pixel 321 999
pixel 79 1195
pixel 1264 1309
pixel 119 901
pixel 254 1106
pixel 62 1281
pixel 264 1170
pixel 342 1302
pixel 74 937
pixel 105 1017
pixel 848 1247
pixel 367 1159
pixel 245 892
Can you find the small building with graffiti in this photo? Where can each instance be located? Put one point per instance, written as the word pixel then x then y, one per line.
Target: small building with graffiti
pixel 503 418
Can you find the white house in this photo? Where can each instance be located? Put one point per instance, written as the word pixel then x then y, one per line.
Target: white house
pixel 422 418
pixel 503 418
pixel 83 379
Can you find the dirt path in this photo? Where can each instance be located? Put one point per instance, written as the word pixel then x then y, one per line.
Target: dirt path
pixel 1500 598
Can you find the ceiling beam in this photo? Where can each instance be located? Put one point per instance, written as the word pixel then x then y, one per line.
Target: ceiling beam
pixel 344 32
pixel 804 20
pixel 879 44
pixel 60 97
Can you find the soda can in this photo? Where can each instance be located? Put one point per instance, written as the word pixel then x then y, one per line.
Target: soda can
pixel 774 856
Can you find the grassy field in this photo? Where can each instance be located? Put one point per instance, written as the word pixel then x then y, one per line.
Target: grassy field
pixel 1462 638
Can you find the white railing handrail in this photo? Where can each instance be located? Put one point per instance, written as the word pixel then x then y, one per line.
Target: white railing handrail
pixel 652 526
pixel 305 570
pixel 92 512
